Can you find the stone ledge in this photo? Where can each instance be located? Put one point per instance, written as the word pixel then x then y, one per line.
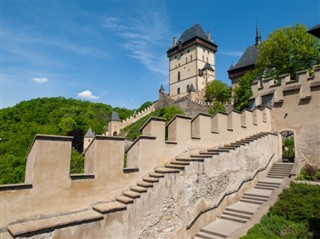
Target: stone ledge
pixel 30 227
pixel 109 207
pixel 18 186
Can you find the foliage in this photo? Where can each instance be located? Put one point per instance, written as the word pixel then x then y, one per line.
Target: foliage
pixel 288 50
pixel 55 116
pixel 309 172
pixel 216 107
pixel 288 144
pixel 217 91
pixel 133 131
pixel 144 106
pixel 77 162
pixel 295 215
pixel 243 91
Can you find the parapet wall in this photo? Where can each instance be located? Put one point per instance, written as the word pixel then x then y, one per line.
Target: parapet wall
pixel 295 107
pixel 50 189
pixel 134 118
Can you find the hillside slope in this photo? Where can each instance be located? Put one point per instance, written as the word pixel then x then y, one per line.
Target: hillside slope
pixel 55 116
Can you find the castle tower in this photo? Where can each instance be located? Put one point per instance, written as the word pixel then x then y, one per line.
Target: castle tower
pixel 191 61
pixel 89 136
pixel 114 124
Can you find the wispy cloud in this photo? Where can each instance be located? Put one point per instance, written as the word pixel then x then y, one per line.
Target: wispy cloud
pixel 39 80
pixel 87 94
pixel 143 37
pixel 230 53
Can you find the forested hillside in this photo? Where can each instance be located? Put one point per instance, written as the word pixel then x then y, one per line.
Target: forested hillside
pixel 55 116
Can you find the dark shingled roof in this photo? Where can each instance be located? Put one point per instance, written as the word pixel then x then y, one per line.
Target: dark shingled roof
pixel 89 134
pixel 161 88
pixel 207 66
pixel 114 116
pixel 315 31
pixel 195 31
pixel 248 58
pixel 191 89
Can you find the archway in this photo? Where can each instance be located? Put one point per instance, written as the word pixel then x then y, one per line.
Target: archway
pixel 115 133
pixel 288 146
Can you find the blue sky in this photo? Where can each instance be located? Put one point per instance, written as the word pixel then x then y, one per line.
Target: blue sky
pixel 114 52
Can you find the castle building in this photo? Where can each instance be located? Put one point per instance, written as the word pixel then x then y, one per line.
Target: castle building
pixel 114 124
pixel 246 62
pixel 191 62
pixel 89 136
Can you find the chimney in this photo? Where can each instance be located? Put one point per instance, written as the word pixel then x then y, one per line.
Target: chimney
pixel 209 36
pixel 174 42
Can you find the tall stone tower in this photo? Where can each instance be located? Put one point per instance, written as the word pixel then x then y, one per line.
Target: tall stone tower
pixel 191 62
pixel 89 136
pixel 114 124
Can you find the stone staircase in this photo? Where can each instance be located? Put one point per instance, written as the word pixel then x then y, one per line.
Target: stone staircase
pixel 236 215
pixel 133 193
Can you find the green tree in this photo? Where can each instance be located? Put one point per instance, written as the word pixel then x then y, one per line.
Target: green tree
pixel 243 91
pixel 288 50
pixel 216 107
pixel 144 106
pixel 217 90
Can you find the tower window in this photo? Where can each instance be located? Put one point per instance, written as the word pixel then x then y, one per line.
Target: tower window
pixel 188 88
pixel 178 91
pixel 191 58
pixel 186 59
pixel 178 75
pixel 207 59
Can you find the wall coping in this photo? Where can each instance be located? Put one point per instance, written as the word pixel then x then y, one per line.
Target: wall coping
pixel 152 118
pixel 140 138
pixel 179 116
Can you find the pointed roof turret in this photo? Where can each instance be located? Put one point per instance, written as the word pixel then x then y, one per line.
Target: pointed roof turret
pixel 89 133
pixel 258 36
pixel 207 66
pixel 194 31
pixel 114 116
pixel 161 88
pixel 191 89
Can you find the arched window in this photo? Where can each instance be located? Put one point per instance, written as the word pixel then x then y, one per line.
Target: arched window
pixel 178 75
pixel 115 133
pixel 178 91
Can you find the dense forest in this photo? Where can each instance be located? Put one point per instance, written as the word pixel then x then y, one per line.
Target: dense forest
pixel 54 116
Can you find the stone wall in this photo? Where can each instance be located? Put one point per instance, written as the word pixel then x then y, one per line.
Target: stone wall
pixel 295 107
pixel 49 189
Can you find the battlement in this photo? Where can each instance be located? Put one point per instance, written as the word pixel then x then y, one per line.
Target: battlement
pixel 134 118
pixel 270 91
pixel 48 179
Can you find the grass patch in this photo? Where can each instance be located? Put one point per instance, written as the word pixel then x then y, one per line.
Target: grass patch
pixel 296 214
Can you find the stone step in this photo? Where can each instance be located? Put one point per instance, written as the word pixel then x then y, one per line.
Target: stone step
pixel 180 162
pixel 272 176
pixel 189 159
pixel 264 188
pixel 156 175
pixel 206 235
pixel 200 156
pixel 267 185
pixel 251 201
pixel 144 184
pixel 228 147
pixel 255 195
pixel 131 194
pixel 218 150
pixel 237 214
pixel 279 174
pixel 208 153
pixel 138 189
pixel 254 198
pixel 213 233
pixel 176 166
pixel 109 207
pixel 234 219
pixel 233 145
pixel 166 170
pixel 124 199
pixel 150 179
pixel 239 211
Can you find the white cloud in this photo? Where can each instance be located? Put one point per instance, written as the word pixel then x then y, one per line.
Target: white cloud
pixel 40 80
pixel 143 37
pixel 87 94
pixel 230 53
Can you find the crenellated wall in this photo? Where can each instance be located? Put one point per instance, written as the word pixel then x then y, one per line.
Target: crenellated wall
pixel 296 107
pixel 49 189
pixel 134 118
